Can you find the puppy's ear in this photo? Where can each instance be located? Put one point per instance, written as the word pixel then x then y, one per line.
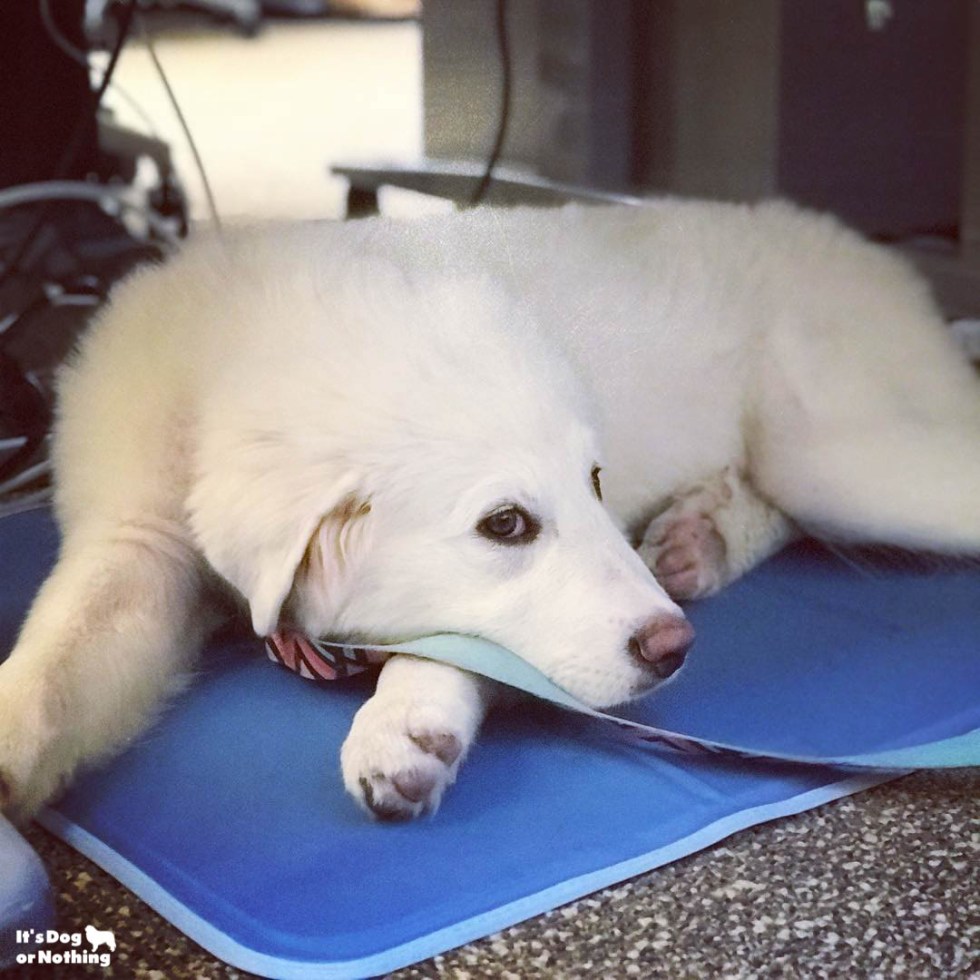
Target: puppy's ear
pixel 254 528
pixel 323 573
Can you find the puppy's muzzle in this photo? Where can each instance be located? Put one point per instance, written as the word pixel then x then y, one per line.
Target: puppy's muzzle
pixel 661 644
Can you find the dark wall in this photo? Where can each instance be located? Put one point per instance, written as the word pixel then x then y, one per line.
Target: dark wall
pixel 44 94
pixel 872 121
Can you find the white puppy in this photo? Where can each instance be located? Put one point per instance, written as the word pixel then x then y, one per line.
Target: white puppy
pixel 371 431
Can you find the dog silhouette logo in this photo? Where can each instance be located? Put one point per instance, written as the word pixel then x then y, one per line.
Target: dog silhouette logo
pixel 100 937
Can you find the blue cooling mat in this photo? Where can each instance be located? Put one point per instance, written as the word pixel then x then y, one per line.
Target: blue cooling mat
pixel 229 817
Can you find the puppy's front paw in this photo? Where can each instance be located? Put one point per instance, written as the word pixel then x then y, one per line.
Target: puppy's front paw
pixel 401 755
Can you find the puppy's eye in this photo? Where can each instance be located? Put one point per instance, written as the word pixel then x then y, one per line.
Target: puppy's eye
pixel 509 525
pixel 596 485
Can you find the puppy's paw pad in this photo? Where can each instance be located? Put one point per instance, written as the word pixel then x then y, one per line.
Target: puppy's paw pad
pixel 402 794
pixel 445 746
pixel 397 797
pixel 415 786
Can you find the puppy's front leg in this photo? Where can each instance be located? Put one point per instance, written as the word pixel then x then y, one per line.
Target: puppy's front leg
pixel 407 742
pixel 109 637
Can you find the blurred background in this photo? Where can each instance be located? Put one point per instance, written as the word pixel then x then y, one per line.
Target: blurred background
pixel 271 107
pixel 127 123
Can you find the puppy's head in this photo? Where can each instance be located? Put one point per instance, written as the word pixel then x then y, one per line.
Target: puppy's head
pixel 450 484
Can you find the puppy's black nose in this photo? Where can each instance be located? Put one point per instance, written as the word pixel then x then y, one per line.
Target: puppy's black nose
pixel 662 643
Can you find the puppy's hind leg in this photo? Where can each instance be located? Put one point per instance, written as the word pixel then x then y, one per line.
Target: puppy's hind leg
pixel 710 533
pixel 911 484
pixel 113 627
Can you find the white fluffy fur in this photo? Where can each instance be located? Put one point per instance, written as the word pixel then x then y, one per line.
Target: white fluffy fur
pixel 319 416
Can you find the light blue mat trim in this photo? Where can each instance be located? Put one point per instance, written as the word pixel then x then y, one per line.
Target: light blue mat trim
pixel 237 955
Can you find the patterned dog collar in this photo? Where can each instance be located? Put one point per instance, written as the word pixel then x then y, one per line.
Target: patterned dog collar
pixel 317 660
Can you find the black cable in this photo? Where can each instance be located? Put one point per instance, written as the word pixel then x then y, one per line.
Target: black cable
pixel 198 162
pixel 506 84
pixel 74 144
